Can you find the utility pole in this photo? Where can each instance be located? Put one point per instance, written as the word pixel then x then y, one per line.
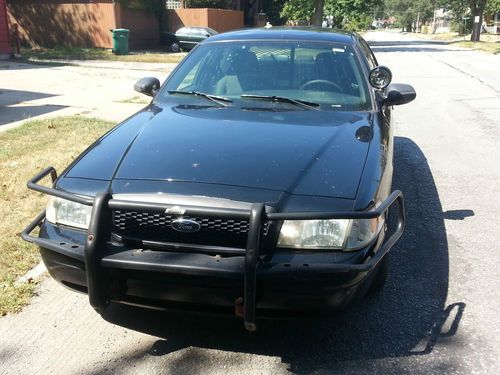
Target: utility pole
pixel 434 22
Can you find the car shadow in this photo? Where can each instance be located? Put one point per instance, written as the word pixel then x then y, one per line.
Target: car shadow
pixel 12 107
pixel 408 318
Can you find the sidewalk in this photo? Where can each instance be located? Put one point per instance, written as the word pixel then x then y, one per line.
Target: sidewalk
pixel 105 64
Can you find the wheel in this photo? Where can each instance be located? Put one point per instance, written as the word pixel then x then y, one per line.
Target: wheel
pixel 174 47
pixel 321 82
pixel 382 272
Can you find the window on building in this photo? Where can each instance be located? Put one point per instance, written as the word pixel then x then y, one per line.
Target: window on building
pixel 173 4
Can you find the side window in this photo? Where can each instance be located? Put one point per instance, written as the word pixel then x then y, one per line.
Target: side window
pixel 372 61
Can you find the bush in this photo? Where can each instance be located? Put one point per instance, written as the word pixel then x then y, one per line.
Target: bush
pixel 360 23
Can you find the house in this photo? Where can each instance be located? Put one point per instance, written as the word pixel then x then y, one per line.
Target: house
pixel 5 47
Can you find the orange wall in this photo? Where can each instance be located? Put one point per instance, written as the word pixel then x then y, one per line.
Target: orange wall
pixel 220 20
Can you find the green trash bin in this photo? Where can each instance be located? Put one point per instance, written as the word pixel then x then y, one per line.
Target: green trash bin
pixel 120 41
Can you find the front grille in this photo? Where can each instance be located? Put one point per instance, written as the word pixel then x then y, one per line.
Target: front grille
pixel 157 227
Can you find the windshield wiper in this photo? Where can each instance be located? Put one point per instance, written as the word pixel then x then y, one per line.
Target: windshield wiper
pixel 214 98
pixel 283 99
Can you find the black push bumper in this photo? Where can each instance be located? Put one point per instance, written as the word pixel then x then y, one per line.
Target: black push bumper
pixel 98 253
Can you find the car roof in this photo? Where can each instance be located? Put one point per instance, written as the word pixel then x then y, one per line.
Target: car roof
pixel 287 33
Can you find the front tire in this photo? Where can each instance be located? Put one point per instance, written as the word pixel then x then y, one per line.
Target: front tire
pixel 174 47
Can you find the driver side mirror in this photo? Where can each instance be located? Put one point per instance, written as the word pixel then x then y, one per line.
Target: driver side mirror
pixel 147 86
pixel 399 93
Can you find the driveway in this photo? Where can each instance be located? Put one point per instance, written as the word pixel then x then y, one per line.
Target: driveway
pixel 437 313
pixel 101 89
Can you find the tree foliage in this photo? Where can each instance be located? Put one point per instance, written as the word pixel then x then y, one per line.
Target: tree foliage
pixel 407 11
pixel 216 4
pixel 492 7
pixel 298 10
pixel 351 14
pixel 154 6
pixel 272 9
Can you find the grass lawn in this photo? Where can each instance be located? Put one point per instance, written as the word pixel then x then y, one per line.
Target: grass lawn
pixel 486 46
pixel 24 152
pixel 488 42
pixel 73 53
pixel 136 100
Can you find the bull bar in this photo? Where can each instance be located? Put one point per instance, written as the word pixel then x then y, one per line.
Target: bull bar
pixel 99 233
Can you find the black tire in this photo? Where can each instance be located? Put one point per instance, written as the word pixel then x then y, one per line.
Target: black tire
pixel 174 47
pixel 382 272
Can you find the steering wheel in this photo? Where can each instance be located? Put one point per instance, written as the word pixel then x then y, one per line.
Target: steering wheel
pixel 321 81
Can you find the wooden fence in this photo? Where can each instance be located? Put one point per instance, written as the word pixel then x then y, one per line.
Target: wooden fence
pixel 5 49
pixel 218 19
pixel 80 23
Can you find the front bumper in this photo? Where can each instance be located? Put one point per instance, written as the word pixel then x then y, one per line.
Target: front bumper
pixel 249 282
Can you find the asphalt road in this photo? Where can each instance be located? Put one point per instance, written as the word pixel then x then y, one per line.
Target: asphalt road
pixel 438 312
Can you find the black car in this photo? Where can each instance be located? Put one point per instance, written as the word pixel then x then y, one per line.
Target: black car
pixel 257 182
pixel 186 38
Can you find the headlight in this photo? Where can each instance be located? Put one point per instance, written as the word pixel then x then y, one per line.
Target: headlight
pixel 62 211
pixel 329 234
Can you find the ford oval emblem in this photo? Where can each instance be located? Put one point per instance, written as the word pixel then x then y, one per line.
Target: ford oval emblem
pixel 185 225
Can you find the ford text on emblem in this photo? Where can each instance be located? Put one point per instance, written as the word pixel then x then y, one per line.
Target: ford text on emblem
pixel 185 225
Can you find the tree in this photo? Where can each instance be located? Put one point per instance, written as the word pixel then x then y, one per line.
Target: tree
pixel 492 7
pixel 408 12
pixel 460 10
pixel 216 4
pixel 352 14
pixel 477 10
pixel 272 9
pixel 317 17
pixel 298 10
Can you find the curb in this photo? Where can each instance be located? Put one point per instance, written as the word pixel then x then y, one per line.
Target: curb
pixel 104 64
pixel 32 274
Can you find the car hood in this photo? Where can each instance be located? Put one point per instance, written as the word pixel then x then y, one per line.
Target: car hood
pixel 302 152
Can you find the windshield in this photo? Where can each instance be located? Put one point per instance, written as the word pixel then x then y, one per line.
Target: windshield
pixel 325 74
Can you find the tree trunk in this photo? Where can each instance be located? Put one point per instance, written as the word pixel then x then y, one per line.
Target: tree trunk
pixel 317 17
pixel 477 9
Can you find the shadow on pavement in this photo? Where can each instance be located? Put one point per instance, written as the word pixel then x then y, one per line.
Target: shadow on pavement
pixel 24 64
pixel 407 319
pixel 11 111
pixel 412 46
pixel 405 42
